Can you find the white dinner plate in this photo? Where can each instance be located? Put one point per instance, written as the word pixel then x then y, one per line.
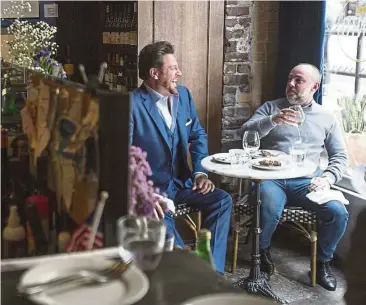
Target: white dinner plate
pixel 285 163
pixel 227 299
pixel 222 158
pixel 131 288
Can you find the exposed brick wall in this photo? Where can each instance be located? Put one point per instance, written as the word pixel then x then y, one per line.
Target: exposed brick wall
pixel 237 71
pixel 250 58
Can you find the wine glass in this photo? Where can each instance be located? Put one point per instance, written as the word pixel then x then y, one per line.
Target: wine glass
pixel 251 142
pixel 300 115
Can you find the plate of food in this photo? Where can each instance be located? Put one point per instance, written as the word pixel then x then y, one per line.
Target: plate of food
pixel 267 153
pixel 222 158
pixel 271 163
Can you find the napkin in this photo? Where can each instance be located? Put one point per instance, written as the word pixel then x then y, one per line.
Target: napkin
pixel 322 197
pixel 359 179
pixel 169 203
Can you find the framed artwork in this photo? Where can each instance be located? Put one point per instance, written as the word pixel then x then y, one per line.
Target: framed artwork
pixel 5 13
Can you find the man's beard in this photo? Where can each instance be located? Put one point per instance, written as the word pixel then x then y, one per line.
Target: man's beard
pixel 298 98
pixel 170 87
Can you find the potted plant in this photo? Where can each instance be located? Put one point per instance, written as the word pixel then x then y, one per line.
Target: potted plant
pixel 353 113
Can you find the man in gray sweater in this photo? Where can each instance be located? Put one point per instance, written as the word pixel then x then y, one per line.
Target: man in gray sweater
pixel 277 128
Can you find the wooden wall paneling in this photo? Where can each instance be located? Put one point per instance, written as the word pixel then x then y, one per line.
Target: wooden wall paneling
pixel 196 28
pixel 216 19
pixel 185 25
pixel 145 26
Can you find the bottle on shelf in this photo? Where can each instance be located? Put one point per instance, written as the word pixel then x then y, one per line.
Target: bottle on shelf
pixel 14 236
pixel 37 240
pixel 68 65
pixel 7 97
pixel 4 151
pixel 203 249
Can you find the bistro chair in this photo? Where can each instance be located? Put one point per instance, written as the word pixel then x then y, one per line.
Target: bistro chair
pixel 184 210
pixel 296 218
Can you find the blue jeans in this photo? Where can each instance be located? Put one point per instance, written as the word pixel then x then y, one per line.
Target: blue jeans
pixel 216 211
pixel 332 217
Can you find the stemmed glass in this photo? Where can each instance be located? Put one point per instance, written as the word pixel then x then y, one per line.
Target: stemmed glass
pixel 300 118
pixel 251 142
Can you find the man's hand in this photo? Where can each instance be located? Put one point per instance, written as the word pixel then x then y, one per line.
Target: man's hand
pixel 202 184
pixel 159 210
pixel 319 184
pixel 285 117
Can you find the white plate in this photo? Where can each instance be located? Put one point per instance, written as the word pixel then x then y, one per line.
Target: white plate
pixel 131 288
pixel 275 153
pixel 285 163
pixel 227 299
pixel 222 158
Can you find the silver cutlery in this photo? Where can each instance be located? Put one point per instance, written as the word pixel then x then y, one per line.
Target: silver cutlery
pixel 77 279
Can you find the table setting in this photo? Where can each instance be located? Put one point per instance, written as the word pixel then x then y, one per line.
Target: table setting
pixel 254 163
pixel 145 269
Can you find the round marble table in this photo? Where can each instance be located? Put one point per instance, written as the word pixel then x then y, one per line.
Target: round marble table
pixel 257 282
pixel 247 172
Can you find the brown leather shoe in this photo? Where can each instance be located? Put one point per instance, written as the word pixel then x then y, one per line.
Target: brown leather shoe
pixel 266 261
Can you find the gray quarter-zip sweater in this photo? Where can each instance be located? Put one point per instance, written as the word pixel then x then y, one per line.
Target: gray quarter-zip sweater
pixel 320 131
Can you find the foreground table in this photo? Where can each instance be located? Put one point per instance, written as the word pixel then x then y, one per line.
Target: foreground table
pixel 179 277
pixel 257 282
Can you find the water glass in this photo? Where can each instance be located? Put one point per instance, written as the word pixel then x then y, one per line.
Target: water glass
pixel 237 156
pixel 251 142
pixel 298 154
pixel 144 238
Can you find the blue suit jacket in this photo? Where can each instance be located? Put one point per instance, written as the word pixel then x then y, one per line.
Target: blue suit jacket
pixel 147 131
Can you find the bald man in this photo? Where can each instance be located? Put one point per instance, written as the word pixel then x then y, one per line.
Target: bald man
pixel 277 128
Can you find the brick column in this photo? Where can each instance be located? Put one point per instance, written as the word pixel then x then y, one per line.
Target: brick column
pixel 250 59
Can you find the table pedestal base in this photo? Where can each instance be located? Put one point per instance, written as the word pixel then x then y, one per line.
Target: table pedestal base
pixel 259 286
pixel 257 281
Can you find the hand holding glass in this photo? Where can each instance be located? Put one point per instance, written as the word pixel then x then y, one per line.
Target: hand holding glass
pixel 300 115
pixel 251 142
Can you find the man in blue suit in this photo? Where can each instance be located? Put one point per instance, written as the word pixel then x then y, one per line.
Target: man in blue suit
pixel 163 123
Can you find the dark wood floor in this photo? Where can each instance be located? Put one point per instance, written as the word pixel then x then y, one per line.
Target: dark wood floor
pixel 291 255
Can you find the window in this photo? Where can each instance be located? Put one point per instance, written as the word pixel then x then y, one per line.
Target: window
pixel 344 90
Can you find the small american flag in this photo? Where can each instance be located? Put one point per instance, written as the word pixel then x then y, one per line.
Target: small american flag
pixel 80 237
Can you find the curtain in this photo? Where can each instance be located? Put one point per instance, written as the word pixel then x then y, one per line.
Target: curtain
pixel 301 39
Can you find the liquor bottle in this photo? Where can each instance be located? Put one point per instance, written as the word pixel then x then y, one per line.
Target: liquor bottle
pixel 203 249
pixel 68 66
pixel 4 152
pixel 134 17
pixel 14 236
pixel 7 97
pixel 37 240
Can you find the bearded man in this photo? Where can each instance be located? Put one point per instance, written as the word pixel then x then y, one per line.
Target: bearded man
pixel 164 123
pixel 278 129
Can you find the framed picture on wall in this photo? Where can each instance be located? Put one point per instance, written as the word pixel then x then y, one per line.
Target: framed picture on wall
pixel 7 12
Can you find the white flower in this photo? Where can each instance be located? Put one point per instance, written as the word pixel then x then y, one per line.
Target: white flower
pixel 29 38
